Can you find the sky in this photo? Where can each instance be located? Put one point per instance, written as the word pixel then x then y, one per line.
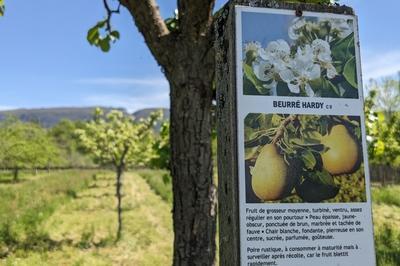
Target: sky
pixel 46 61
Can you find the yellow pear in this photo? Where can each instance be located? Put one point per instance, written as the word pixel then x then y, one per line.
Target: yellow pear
pixel 270 175
pixel 342 154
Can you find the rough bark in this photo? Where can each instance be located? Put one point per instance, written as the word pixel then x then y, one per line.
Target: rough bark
pixel 194 209
pixel 228 187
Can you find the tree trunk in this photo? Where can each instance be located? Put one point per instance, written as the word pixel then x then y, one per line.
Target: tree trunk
pixel 194 210
pixel 16 173
pixel 119 198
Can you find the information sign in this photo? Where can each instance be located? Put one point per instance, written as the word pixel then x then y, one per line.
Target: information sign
pixel 302 166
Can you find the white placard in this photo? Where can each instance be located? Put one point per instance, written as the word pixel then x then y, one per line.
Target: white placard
pixel 304 196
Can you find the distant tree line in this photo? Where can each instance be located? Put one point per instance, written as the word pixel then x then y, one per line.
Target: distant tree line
pixel 382 110
pixel 29 146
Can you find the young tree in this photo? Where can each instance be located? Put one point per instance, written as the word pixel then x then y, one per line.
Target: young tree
pixel 25 145
pixel 116 139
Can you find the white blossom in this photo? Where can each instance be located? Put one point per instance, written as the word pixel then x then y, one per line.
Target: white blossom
pixel 301 71
pixel 252 47
pixel 263 69
pixel 322 50
pixel 278 53
pixel 272 60
pixel 323 55
pixel 341 26
pixel 331 71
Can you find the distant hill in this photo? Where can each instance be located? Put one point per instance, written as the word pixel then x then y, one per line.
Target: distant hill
pixel 48 117
pixel 143 113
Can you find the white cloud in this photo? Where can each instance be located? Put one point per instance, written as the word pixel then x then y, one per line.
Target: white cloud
pixel 158 82
pixel 381 65
pixel 131 103
pixel 5 108
pixel 152 92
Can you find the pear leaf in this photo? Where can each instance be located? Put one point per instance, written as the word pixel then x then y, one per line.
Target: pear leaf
pixel 350 72
pixel 312 191
pixel 250 76
pixel 343 49
pixel 317 186
pixel 309 159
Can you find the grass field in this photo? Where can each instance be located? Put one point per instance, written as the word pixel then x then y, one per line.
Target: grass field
pixel 75 222
pixel 386 213
pixel 69 218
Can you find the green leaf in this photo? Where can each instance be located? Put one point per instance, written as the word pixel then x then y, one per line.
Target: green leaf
pixel 317 186
pixel 93 35
pixel 309 159
pixel 101 23
pixel 323 177
pixel 249 74
pixel 323 125
pixel 115 34
pixel 349 91
pixel 2 8
pixel 350 72
pixel 357 132
pixel 343 49
pixel 297 141
pixel 104 44
pixel 314 191
pixel 332 87
pixel 172 22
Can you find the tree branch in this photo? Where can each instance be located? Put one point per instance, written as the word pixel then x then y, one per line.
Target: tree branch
pixel 148 20
pixel 281 129
pixel 195 16
pixel 110 12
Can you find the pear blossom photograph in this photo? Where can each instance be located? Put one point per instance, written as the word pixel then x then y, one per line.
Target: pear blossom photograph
pixel 314 55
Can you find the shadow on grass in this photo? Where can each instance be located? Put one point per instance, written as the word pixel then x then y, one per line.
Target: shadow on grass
pixel 12 181
pixel 43 243
pixel 93 186
pixel 36 242
pixel 104 195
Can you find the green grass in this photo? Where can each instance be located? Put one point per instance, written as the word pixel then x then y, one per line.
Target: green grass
pixel 387 195
pixel 26 204
pixel 387 246
pixel 69 218
pixel 386 213
pixel 159 181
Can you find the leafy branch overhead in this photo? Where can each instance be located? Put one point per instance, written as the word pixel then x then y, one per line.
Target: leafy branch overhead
pixel 2 7
pixel 102 35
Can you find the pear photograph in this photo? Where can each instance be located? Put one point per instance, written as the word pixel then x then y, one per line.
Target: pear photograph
pixel 308 56
pixel 292 158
